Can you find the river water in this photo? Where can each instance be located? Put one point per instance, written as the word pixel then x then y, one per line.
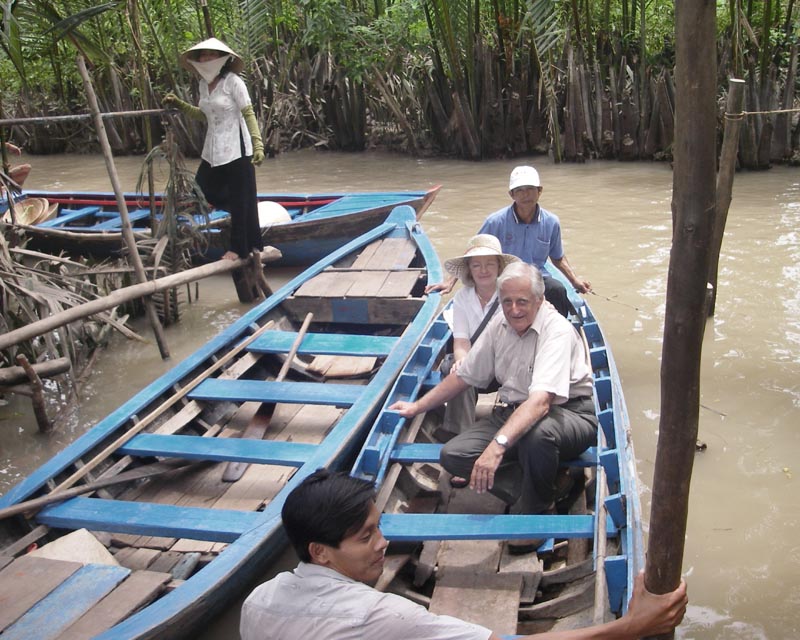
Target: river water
pixel 742 557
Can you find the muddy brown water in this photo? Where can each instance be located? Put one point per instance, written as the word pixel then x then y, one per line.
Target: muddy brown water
pixel 742 558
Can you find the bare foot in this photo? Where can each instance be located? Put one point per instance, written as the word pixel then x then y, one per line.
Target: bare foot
pixel 230 255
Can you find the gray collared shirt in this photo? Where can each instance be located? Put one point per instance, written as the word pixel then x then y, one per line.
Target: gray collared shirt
pixel 316 602
pixel 550 356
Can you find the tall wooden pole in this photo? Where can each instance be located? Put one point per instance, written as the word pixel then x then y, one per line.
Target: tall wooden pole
pixel 727 168
pixel 127 230
pixel 693 206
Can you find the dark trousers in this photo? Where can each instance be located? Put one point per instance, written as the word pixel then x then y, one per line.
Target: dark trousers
pixel 526 477
pixel 556 294
pixel 232 187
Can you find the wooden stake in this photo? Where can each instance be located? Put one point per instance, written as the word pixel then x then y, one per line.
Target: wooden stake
pixel 127 229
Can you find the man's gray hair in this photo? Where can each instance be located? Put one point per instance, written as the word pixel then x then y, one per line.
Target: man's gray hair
pixel 525 271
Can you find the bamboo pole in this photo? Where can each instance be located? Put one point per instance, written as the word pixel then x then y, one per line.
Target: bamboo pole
pixel 727 169
pixel 123 295
pixel 127 229
pixel 75 117
pixel 693 223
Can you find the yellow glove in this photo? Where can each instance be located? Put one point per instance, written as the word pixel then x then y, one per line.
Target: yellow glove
pixel 171 101
pixel 255 135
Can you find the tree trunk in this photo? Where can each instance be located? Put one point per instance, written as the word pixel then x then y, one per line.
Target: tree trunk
pixel 693 217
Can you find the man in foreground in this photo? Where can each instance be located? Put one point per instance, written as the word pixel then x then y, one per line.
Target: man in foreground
pixel 544 413
pixel 333 524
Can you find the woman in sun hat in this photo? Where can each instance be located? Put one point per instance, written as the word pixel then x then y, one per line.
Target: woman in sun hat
pixel 473 306
pixel 233 140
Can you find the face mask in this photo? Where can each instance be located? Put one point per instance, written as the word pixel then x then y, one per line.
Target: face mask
pixel 209 69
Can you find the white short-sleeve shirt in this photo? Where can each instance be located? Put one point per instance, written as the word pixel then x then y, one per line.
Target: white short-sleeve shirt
pixel 320 603
pixel 223 110
pixel 468 312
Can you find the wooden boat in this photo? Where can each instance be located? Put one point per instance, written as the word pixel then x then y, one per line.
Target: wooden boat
pixel 304 227
pixel 584 572
pixel 179 546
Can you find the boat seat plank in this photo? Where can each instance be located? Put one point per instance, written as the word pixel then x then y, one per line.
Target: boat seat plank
pixel 393 253
pixel 69 215
pixel 324 344
pixel 340 395
pixel 67 603
pixel 327 285
pixel 117 516
pixel 399 284
pixel 293 454
pixel 139 589
pixel 392 310
pixel 116 222
pixel 27 580
pixel 409 453
pixel 365 284
pixel 366 255
pixel 408 527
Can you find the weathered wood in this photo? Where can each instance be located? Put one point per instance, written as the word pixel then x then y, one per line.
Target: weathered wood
pixel 727 169
pixel 140 588
pixel 46 369
pixel 126 294
pixel 9 122
pixel 693 208
pixel 37 395
pixel 39 576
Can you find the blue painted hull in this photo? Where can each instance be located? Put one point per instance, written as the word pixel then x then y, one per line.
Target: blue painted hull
pixel 253 538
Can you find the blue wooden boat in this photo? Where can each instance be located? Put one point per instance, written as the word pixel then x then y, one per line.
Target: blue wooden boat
pixel 591 555
pixel 308 227
pixel 183 543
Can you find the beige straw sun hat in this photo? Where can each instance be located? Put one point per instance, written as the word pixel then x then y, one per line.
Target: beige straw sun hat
pixel 483 244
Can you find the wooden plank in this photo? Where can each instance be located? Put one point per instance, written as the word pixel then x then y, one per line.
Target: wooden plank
pixel 398 284
pixel 366 254
pixel 151 519
pixel 138 590
pixel 344 344
pixel 66 603
pixel 394 253
pixel 342 395
pixel 136 559
pixel 391 311
pixel 368 284
pixel 26 581
pixel 488 599
pixel 327 285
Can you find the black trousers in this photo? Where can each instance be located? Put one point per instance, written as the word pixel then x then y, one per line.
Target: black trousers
pixel 232 188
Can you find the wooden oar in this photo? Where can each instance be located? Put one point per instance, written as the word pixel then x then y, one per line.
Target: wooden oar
pixel 145 471
pixel 259 423
pixel 159 410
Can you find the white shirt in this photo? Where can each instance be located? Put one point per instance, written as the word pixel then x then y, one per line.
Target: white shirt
pixel 314 602
pixel 223 111
pixel 550 356
pixel 468 312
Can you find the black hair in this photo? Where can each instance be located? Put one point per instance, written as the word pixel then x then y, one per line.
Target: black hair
pixel 326 508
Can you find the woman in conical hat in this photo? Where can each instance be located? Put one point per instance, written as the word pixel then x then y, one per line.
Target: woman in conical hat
pixel 477 268
pixel 233 141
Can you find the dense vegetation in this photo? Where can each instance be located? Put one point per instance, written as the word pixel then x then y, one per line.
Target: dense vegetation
pixel 573 78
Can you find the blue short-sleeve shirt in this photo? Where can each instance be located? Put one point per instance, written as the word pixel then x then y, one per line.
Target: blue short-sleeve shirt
pixel 531 242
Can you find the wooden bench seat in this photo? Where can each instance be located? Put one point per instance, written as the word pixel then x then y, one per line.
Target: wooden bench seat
pixel 116 516
pixel 410 527
pixel 293 454
pixel 339 395
pixel 409 453
pixel 70 216
pixel 116 222
pixel 324 344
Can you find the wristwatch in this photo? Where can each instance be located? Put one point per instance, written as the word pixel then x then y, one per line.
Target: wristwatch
pixel 501 440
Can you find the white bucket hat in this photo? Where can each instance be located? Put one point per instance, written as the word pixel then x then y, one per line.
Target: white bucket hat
pixel 483 244
pixel 211 44
pixel 524 176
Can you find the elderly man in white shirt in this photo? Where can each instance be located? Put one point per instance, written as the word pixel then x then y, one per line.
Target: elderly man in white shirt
pixel 544 413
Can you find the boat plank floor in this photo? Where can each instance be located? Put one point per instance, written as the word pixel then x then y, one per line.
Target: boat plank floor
pixel 39 576
pixel 140 588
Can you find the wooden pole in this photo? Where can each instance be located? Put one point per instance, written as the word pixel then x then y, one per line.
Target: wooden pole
pixel 123 295
pixel 727 169
pixel 693 206
pixel 8 122
pixel 127 229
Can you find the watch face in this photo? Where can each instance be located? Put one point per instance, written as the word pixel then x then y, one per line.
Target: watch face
pixel 501 440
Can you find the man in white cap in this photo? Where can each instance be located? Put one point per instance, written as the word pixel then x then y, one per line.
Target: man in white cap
pixel 533 234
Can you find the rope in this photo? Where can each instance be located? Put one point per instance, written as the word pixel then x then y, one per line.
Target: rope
pixel 742 114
